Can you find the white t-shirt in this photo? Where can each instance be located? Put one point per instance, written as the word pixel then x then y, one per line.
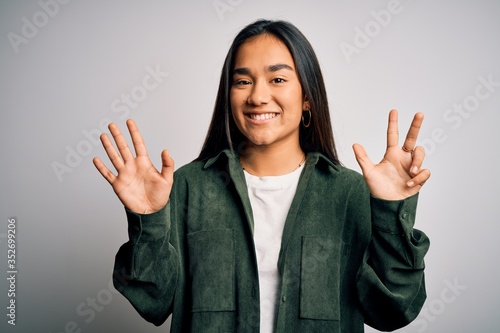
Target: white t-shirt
pixel 270 198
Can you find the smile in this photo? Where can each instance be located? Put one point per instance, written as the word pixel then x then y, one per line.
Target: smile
pixel 261 116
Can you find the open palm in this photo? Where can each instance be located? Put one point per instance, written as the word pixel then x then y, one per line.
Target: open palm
pixel 138 185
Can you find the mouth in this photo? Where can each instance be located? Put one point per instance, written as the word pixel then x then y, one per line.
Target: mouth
pixel 262 116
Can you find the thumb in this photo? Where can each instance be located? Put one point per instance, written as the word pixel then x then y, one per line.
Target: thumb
pixel 167 167
pixel 362 158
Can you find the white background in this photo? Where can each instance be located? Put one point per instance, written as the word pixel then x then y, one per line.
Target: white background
pixel 65 68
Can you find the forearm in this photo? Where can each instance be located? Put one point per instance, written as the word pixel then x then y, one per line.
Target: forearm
pixel 391 280
pixel 146 267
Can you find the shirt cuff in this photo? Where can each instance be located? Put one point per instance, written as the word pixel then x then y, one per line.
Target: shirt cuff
pixel 394 216
pixel 148 227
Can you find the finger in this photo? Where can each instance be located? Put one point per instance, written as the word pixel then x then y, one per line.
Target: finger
pixel 113 155
pixel 417 159
pixel 139 146
pixel 167 167
pixel 104 171
pixel 363 160
pixel 412 135
pixel 420 178
pixel 392 129
pixel 121 143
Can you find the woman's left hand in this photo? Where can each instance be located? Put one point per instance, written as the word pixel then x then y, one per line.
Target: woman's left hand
pixel 399 175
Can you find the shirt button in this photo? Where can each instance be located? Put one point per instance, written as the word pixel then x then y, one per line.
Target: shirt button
pixel 404 215
pixel 283 299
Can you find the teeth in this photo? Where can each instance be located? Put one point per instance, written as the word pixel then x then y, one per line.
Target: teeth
pixel 262 116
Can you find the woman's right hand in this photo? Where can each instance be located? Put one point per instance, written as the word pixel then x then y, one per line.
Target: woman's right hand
pixel 138 185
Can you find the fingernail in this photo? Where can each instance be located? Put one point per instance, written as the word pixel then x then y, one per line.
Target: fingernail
pixel 410 183
pixel 414 169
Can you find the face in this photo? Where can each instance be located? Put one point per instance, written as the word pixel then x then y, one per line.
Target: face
pixel 266 96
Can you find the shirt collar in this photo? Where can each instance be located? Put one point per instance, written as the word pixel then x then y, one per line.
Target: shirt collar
pixel 313 158
pixel 226 153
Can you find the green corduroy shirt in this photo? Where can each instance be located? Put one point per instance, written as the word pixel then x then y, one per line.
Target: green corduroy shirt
pixel 346 257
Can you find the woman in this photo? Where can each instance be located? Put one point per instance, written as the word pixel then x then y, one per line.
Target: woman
pixel 266 230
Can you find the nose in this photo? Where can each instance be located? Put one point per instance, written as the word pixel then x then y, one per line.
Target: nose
pixel 259 94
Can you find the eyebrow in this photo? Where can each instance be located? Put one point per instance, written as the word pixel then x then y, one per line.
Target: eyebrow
pixel 271 68
pixel 277 67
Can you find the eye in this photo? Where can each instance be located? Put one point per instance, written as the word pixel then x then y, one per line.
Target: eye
pixel 278 80
pixel 241 82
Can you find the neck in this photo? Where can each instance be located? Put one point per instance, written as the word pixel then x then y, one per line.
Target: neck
pixel 276 161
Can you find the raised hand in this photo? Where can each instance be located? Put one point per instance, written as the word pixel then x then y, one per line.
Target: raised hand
pixel 138 185
pixel 399 175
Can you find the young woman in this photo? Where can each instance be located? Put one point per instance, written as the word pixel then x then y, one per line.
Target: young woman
pixel 266 231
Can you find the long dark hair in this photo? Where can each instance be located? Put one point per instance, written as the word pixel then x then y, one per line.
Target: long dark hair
pixel 318 137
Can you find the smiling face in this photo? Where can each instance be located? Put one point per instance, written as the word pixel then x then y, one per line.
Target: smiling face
pixel 266 95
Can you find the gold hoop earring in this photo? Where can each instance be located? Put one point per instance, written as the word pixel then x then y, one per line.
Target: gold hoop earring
pixel 309 121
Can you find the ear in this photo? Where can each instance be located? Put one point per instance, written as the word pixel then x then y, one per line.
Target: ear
pixel 306 105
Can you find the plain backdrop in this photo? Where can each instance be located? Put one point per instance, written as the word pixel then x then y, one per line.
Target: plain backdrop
pixel 67 68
